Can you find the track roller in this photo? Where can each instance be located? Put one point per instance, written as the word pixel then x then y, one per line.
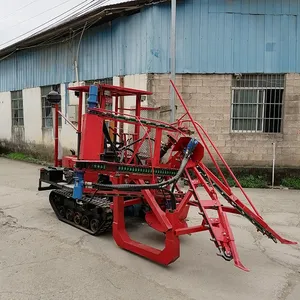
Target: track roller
pixel 92 215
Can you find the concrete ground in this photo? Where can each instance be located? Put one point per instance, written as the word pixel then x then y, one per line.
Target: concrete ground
pixel 43 258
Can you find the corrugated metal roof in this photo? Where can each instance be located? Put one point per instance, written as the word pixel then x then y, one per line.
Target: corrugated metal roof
pixel 98 14
pixel 210 39
pixel 120 47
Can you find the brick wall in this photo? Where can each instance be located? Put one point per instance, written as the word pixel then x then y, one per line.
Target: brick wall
pixel 209 100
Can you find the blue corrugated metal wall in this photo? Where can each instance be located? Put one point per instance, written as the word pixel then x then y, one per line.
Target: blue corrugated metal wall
pixel 236 36
pixel 213 36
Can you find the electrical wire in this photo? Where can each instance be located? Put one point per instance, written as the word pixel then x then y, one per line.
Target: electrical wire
pixel 79 11
pixel 8 55
pixel 17 24
pixel 84 28
pixel 93 6
pixel 37 28
pixel 13 13
pixel 71 15
pixel 49 43
pixel 58 42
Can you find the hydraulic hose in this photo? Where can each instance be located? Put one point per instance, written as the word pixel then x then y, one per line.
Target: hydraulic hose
pixel 138 187
pixel 167 146
pixel 172 198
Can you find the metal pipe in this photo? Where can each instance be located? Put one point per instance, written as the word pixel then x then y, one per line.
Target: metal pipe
pixel 79 124
pixel 121 106
pixel 77 55
pixel 273 165
pixel 116 122
pixel 61 114
pixel 76 71
pixel 55 111
pixel 137 125
pixel 173 58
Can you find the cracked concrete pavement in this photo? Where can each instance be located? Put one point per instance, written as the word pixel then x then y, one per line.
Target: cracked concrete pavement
pixel 43 258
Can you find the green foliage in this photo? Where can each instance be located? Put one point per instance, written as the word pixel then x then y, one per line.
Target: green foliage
pixel 291 182
pixel 231 182
pixel 29 151
pixel 252 181
pixel 21 156
pixel 249 181
pixel 17 155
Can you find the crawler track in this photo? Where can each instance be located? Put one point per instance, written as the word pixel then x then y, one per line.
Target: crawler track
pixel 91 214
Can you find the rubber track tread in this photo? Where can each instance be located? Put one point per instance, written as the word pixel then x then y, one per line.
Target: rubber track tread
pixel 98 202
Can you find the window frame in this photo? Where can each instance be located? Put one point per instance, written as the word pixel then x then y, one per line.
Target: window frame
pixel 18 99
pixel 46 105
pixel 262 118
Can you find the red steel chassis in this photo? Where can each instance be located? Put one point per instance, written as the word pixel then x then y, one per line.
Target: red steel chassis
pixel 171 222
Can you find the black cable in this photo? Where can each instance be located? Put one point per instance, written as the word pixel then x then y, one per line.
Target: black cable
pixel 136 141
pixel 138 158
pixel 93 196
pixel 91 6
pixel 59 41
pixel 17 24
pixel 114 147
pixel 140 187
pixel 107 136
pixel 188 152
pixel 174 184
pixel 173 199
pixel 68 17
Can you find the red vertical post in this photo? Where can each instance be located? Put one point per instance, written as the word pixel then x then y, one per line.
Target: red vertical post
pixel 56 135
pixel 116 122
pixel 121 124
pixel 102 104
pixel 102 101
pixel 79 123
pixel 138 106
pixel 157 146
pixel 137 126
pixel 80 112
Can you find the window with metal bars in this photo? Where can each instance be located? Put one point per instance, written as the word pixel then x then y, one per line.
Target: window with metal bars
pixel 17 108
pixel 257 103
pixel 47 120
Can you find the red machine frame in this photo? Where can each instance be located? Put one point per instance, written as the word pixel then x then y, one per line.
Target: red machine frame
pixel 169 221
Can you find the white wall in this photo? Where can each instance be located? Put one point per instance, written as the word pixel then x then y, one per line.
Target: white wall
pixel 68 136
pixel 137 81
pixel 32 110
pixel 5 116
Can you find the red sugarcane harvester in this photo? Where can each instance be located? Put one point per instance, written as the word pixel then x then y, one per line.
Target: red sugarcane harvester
pixel 114 175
